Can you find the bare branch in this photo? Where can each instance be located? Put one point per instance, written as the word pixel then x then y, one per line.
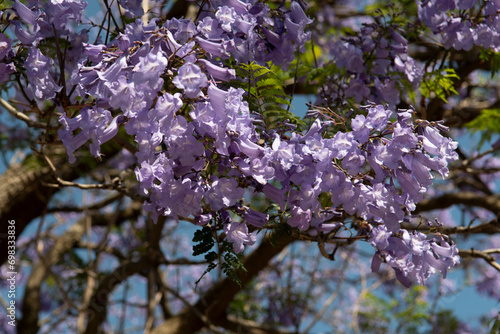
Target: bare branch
pixel 491 227
pixel 215 302
pixel 23 117
pixel 31 303
pixel 491 203
pixel 97 310
pixel 480 254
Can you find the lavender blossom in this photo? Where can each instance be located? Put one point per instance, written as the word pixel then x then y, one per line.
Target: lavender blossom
pixel 191 79
pixel 42 85
pixel 5 46
pixel 238 235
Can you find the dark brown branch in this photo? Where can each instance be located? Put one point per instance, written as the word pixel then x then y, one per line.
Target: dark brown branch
pixel 24 195
pixel 491 227
pixel 215 302
pixel 491 203
pixel 31 302
pixel 97 311
pixel 243 326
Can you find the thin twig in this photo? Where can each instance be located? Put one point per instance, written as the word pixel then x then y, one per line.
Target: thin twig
pixel 25 118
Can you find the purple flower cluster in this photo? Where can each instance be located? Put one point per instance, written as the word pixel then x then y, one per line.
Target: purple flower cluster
pixel 413 256
pixel 6 65
pixel 129 76
pixel 37 21
pixel 41 85
pixel 451 19
pixel 372 65
pixel 199 150
pixel 251 31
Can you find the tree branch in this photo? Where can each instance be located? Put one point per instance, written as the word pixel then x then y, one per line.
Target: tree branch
pixel 31 302
pixel 491 227
pixel 491 203
pixel 97 311
pixel 480 254
pixel 215 302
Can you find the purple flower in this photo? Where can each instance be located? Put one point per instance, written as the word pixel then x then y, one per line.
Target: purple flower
pixel 354 161
pixel 147 173
pixel 237 234
pixel 258 168
pixel 203 219
pixel 226 16
pixel 360 131
pixel 113 72
pixel 412 255
pixel 275 194
pixel 219 73
pixel 299 218
pixel 209 28
pixel 62 11
pixel 5 46
pixel 41 83
pixel 409 68
pixel 388 90
pixel 100 136
pixel 123 93
pixel 123 42
pixel 165 108
pixel 26 14
pixel 133 8
pixel 223 193
pixel 295 31
pixel 190 78
pixel 466 4
pixel 410 185
pixel 342 144
pixel 434 143
pixel 182 29
pixel 255 218
pixel 377 117
pixel 150 69
pixel 5 71
pixel 94 125
pixel 379 237
pixel 464 38
pixel 27 35
pixel 251 149
pixel 217 49
pixel 297 14
pixel 239 6
pixel 357 90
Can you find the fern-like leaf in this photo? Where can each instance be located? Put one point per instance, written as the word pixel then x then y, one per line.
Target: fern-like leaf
pixel 266 95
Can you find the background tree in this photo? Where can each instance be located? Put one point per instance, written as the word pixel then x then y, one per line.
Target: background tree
pixel 160 181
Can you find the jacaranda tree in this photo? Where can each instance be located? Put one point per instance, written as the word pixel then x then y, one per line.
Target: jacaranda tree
pixel 160 177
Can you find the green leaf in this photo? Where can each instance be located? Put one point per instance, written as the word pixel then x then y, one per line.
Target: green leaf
pixel 204 240
pixel 440 83
pixel 211 266
pixel 488 123
pixel 495 328
pixel 487 55
pixel 266 94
